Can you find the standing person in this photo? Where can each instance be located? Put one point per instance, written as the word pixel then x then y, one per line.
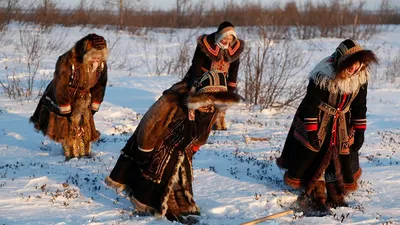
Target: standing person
pixel 156 163
pixel 217 51
pixel 65 111
pixel 321 149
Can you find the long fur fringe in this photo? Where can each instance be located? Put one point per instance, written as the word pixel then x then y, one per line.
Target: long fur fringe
pixel 174 179
pixel 113 184
pixel 189 197
pixel 324 76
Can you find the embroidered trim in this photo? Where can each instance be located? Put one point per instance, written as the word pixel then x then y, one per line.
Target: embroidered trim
pixel 215 51
pixel 310 120
pixel 310 124
pixel 360 127
pixel 311 127
pixel 233 51
pixel 195 148
pixel 232 84
pixel 64 109
pixel 359 124
pixel 348 186
pixel 220 65
pixel 292 182
pixel 212 89
pixel 95 106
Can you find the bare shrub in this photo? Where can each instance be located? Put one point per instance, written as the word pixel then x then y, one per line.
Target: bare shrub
pixel 35 42
pixel 8 8
pixel 155 57
pixel 184 54
pixel 330 18
pixel 392 70
pixel 272 76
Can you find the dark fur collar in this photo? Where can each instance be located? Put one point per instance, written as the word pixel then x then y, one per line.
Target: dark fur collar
pixel 208 47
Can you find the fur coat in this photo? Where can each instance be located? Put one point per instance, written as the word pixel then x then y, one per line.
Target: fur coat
pixel 77 88
pixel 158 156
pixel 334 108
pixel 209 56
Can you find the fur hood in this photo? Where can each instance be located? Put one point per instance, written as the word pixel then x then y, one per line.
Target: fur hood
pixel 212 50
pixel 90 46
pixel 324 76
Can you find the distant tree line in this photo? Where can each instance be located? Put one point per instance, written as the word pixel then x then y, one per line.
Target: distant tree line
pixel 326 17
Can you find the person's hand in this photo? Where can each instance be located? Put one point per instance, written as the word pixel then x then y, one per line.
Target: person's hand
pixel 312 137
pixel 358 140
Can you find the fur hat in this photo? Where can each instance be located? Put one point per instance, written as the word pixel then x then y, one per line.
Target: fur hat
pixel 93 43
pixel 225 29
pixel 210 89
pixel 348 52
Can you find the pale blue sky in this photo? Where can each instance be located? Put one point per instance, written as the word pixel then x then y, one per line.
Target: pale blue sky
pixel 370 4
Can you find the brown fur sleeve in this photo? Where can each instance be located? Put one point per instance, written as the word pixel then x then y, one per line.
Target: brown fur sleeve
pixel 99 89
pixel 153 123
pixel 61 84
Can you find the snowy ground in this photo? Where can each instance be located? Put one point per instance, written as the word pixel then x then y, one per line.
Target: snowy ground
pixel 234 181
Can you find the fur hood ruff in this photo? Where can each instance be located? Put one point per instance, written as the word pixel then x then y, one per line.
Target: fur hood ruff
pixel 324 76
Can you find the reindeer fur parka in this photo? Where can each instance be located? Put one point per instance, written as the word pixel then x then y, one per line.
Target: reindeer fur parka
pixel 208 56
pixel 77 88
pixel 158 156
pixel 331 107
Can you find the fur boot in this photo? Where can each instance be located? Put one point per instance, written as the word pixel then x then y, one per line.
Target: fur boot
pixel 184 206
pixel 319 195
pixel 173 211
pixel 220 123
pixel 335 196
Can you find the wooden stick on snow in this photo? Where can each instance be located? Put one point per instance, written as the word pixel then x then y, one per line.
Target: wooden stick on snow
pixel 247 139
pixel 273 216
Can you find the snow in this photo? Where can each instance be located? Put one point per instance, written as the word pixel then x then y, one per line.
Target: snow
pixel 234 180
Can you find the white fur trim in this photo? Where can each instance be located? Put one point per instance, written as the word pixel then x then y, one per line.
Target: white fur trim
pixel 174 179
pixel 217 104
pixel 95 106
pixel 65 109
pixel 193 208
pixel 94 53
pixel 145 150
pixel 324 76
